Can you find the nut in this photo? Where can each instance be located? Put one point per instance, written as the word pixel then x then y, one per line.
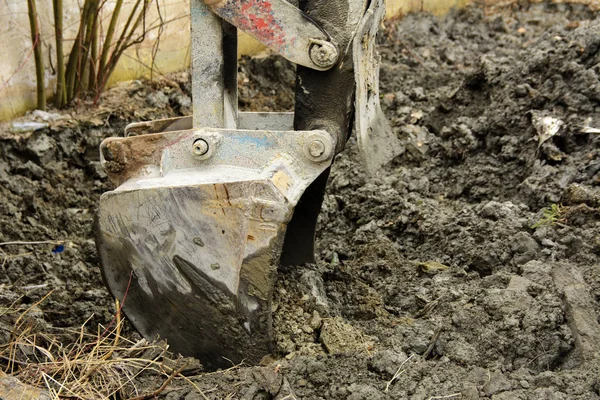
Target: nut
pixel 316 148
pixel 324 54
pixel 200 147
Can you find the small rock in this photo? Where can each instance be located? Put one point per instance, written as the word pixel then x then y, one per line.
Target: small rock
pixel 315 321
pixel 315 366
pixel 448 55
pixel 525 247
pixel 182 99
pixel 387 361
pixel 97 170
pixel 157 99
pixel 403 111
pixel 420 185
pixel 497 383
pixel 581 194
pixel 401 98
pixel 93 295
pixel 499 24
pixel 458 351
pixel 31 170
pixel 494 210
pixel 416 116
pixel 388 100
pixel 432 267
pixel 418 94
pixel 522 90
pixel 42 146
pixel 364 392
pixel 470 392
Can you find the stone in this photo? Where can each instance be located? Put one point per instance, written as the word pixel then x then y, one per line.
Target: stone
pixel 497 384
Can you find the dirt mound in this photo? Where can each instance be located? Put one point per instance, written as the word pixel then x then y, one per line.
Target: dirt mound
pixel 468 268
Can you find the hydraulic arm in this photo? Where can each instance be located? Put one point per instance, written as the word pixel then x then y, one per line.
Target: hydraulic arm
pixel 206 207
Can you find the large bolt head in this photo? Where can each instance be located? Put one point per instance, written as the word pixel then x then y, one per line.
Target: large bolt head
pixel 200 147
pixel 316 148
pixel 319 147
pixel 324 54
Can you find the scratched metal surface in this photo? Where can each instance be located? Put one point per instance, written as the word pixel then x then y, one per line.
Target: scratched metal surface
pixel 194 237
pixel 277 24
pixel 214 59
pixel 195 242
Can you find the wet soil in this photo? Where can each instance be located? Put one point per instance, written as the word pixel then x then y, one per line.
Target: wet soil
pixel 467 268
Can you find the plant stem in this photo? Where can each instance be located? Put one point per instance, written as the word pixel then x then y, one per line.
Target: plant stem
pixel 37 52
pixel 108 43
pixel 92 85
pixel 61 93
pixel 84 63
pixel 125 40
pixel 74 57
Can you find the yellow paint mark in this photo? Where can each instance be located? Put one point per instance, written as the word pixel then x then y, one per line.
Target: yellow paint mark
pixel 282 181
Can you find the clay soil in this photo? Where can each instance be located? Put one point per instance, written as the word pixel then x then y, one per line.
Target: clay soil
pixel 467 268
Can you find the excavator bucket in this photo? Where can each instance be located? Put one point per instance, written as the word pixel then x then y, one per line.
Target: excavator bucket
pixel 206 207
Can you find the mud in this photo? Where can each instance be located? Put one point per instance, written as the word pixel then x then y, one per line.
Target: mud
pixel 466 269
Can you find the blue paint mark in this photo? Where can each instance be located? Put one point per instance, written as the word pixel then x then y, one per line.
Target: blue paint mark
pixel 58 249
pixel 263 141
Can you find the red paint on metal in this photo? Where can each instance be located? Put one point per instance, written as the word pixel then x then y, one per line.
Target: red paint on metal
pixel 257 17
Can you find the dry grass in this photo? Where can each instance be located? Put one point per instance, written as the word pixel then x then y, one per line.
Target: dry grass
pixel 104 365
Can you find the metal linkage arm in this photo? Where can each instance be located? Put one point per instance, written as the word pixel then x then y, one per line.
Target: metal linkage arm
pixel 283 28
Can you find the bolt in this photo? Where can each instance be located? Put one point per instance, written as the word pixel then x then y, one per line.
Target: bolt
pixel 316 148
pixel 324 54
pixel 200 147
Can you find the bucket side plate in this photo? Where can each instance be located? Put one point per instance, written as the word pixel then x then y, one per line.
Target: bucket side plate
pixel 192 244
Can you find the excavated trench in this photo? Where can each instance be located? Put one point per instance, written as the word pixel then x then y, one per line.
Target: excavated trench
pixel 467 268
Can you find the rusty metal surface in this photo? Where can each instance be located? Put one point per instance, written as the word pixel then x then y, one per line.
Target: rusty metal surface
pixel 283 28
pixel 159 125
pixel 194 241
pixel 376 139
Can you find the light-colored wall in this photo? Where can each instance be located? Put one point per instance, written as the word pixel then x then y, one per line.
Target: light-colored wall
pixel 17 67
